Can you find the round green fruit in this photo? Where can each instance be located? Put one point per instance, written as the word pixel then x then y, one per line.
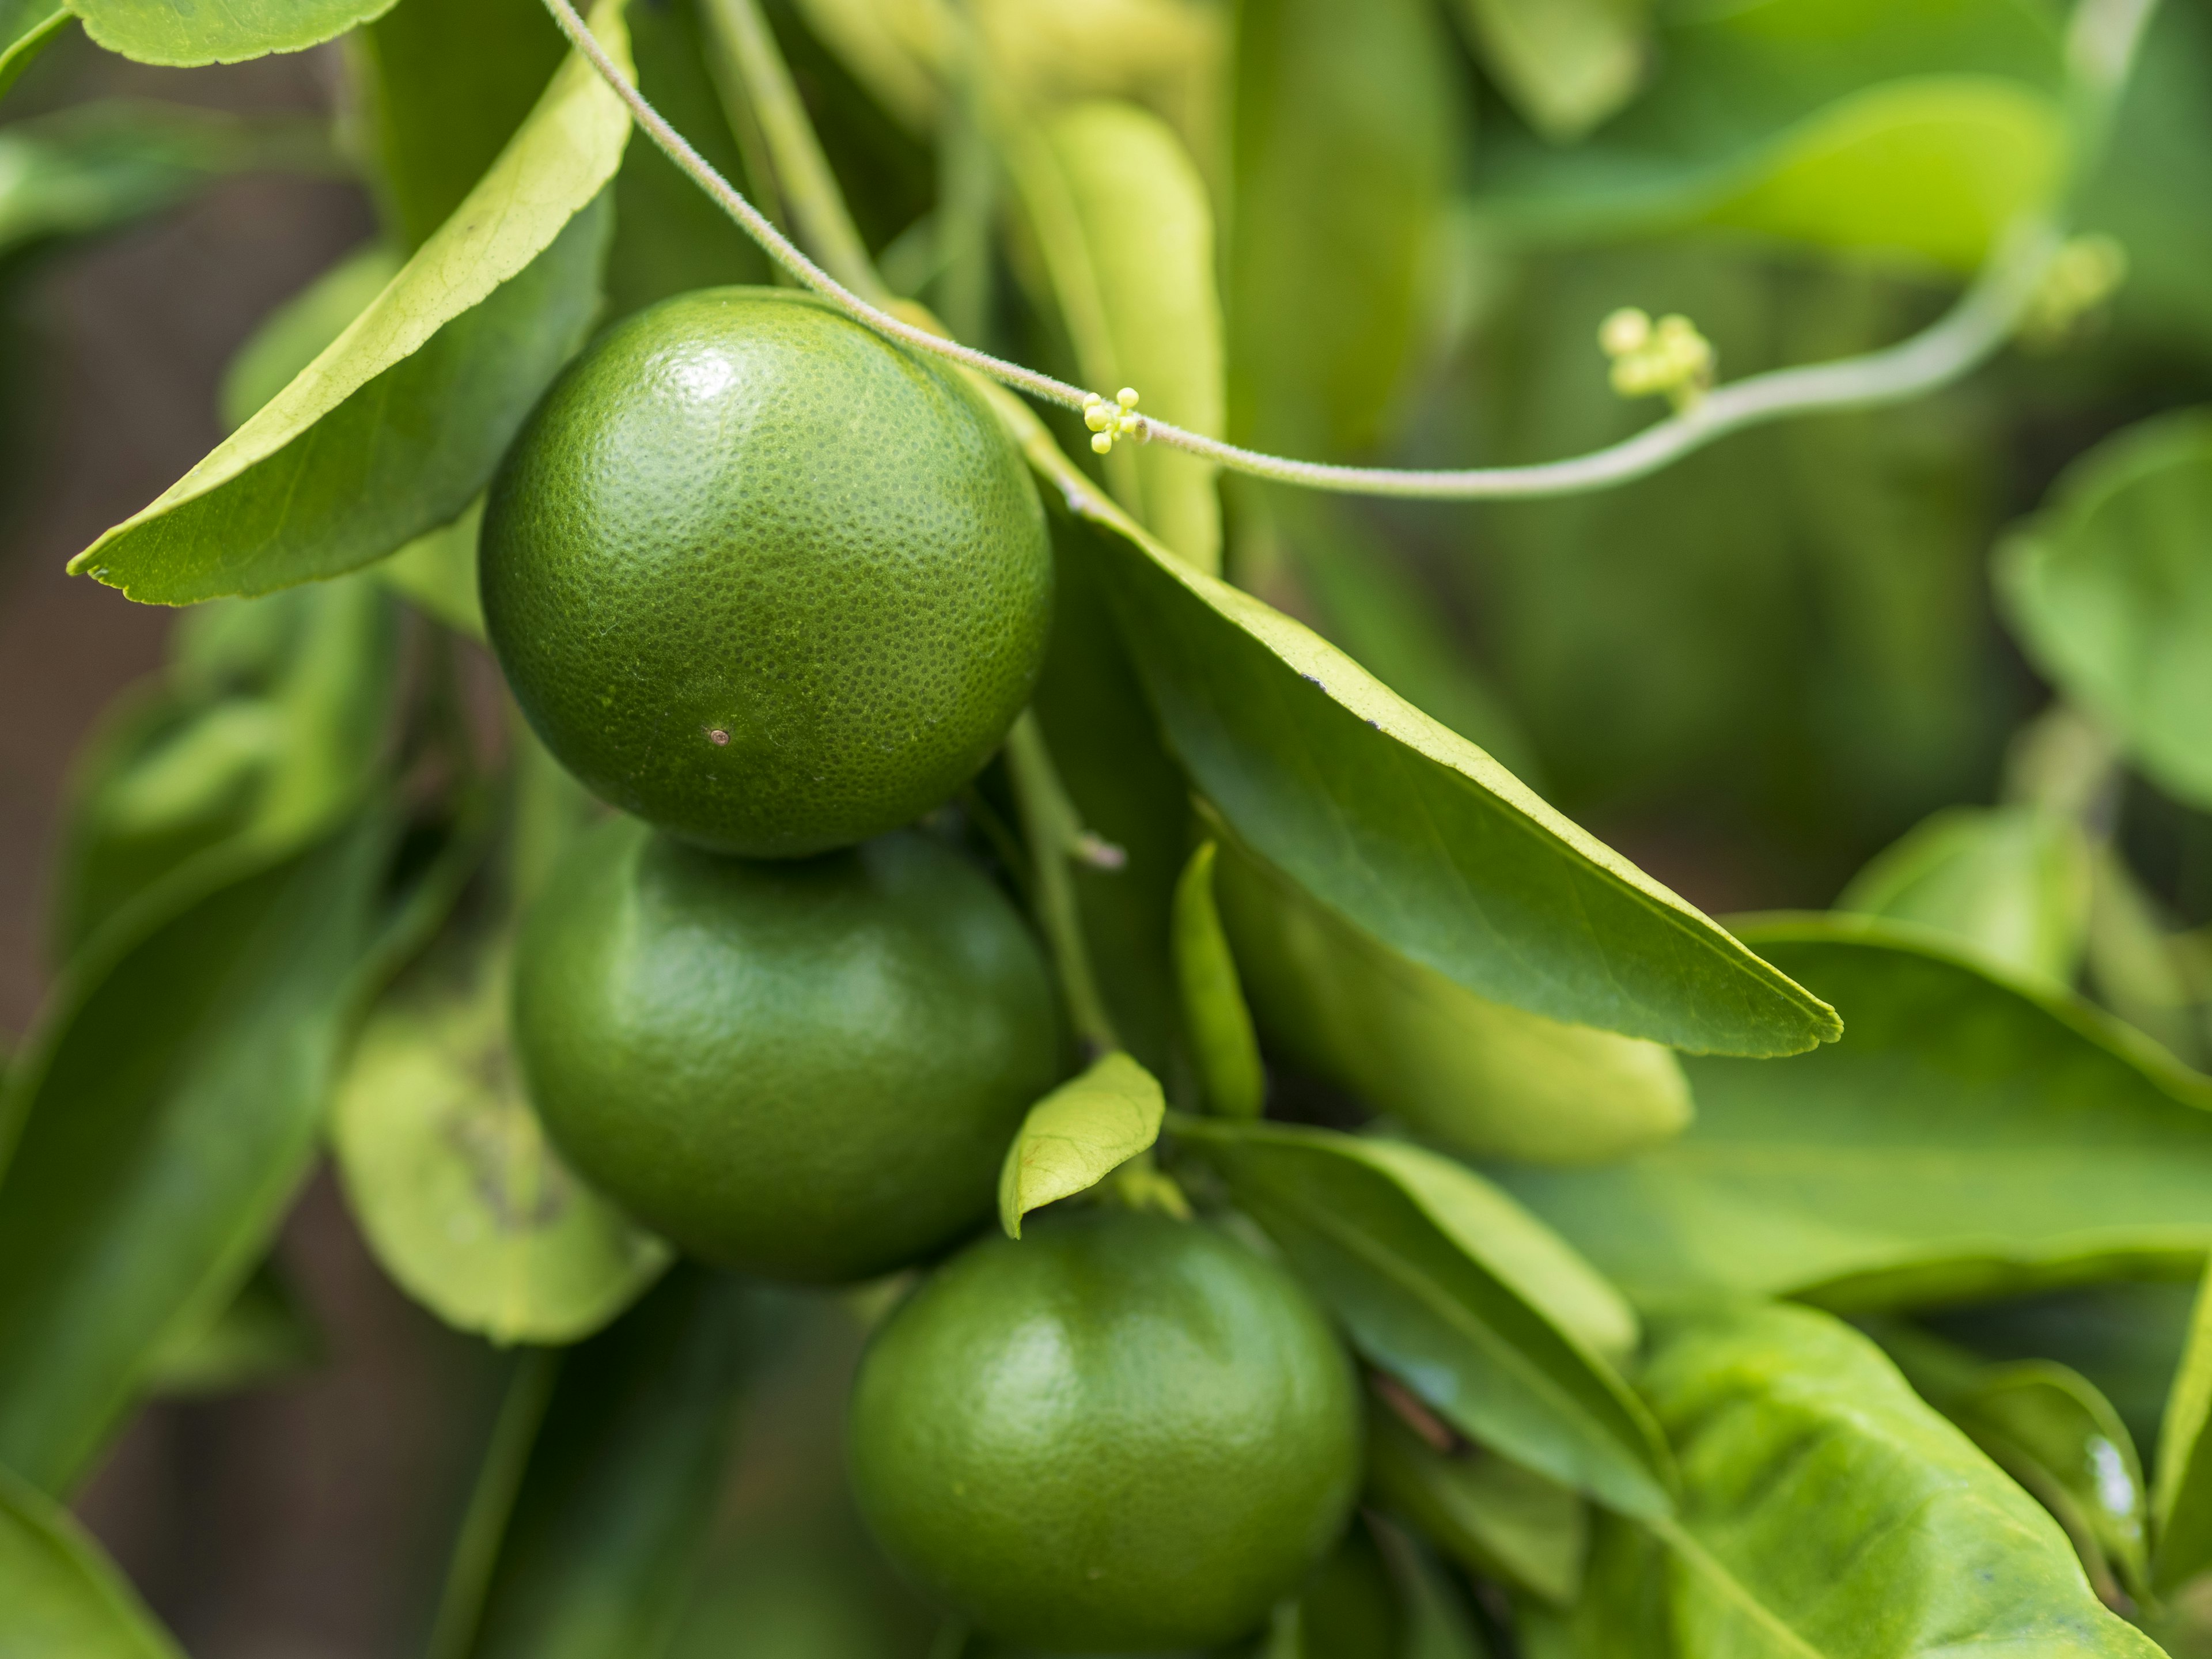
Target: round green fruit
pixel 806 1069
pixel 1121 1434
pixel 762 579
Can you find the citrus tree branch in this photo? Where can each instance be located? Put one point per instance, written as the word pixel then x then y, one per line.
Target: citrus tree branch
pixel 2107 34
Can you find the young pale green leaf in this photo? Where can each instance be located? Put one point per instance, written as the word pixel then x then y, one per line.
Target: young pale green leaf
pixel 1505 1523
pixel 1830 1513
pixel 457 1190
pixel 1969 1135
pixel 59 1595
pixel 1567 65
pixel 393 429
pixel 1405 828
pixel 1441 1282
pixel 2181 1503
pixel 261 1334
pixel 1078 1135
pixel 1482 1078
pixel 166 32
pixel 1214 1016
pixel 26 27
pixel 2011 882
pixel 1346 128
pixel 1122 219
pixel 2110 590
pixel 591 1516
pixel 446 83
pixel 1869 125
pixel 165 1114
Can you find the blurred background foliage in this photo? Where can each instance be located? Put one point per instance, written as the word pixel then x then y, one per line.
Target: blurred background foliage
pixel 1393 229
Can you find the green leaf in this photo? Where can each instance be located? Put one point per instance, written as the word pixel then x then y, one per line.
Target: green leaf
pixel 1442 1282
pixel 261 1334
pixel 448 82
pixel 298 331
pixel 2012 883
pixel 1121 218
pixel 1480 1076
pixel 1078 1135
pixel 1968 1136
pixel 59 1595
pixel 1410 831
pixel 1494 1517
pixel 400 422
pixel 26 27
pixel 2135 959
pixel 1346 128
pixel 586 1550
pixel 1849 124
pixel 167 32
pixel 1829 1511
pixel 437 573
pixel 2110 590
pixel 269 728
pixel 1223 1048
pixel 458 1191
pixel 162 1118
pixel 1567 65
pixel 2181 1503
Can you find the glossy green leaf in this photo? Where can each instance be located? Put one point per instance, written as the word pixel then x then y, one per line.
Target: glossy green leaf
pixel 399 422
pixel 447 83
pixel 59 1595
pixel 1127 790
pixel 2181 1503
pixel 1346 121
pixel 26 28
pixel 1967 1137
pixel 1567 65
pixel 594 1513
pixel 457 1190
pixel 177 32
pixel 1828 1510
pixel 1442 1283
pixel 1078 1135
pixel 92 167
pixel 1122 219
pixel 1494 1517
pixel 164 1116
pixel 2110 590
pixel 269 726
pixel 298 331
pixel 1875 125
pixel 2011 882
pixel 1622 1613
pixel 261 1334
pixel 1408 830
pixel 1223 1047
pixel 1478 1076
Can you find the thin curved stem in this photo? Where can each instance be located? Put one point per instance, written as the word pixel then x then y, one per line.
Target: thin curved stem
pixel 2107 36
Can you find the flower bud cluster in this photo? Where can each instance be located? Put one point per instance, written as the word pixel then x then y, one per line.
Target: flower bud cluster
pixel 1118 419
pixel 2085 272
pixel 1668 355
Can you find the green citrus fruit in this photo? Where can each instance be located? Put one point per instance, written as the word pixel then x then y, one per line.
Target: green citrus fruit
pixel 1121 1434
pixel 762 579
pixel 807 1070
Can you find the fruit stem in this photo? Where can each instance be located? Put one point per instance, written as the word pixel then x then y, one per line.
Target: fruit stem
pixel 1054 829
pixel 1966 337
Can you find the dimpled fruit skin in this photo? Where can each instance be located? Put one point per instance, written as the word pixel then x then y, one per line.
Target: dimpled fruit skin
pixel 762 579
pixel 1121 1434
pixel 810 1070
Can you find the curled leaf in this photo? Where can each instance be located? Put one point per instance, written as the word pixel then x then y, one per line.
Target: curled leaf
pixel 1078 1135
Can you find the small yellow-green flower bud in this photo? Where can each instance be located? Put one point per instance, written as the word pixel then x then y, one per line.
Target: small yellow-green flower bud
pixel 1627 330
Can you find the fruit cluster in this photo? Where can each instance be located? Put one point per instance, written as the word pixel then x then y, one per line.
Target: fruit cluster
pixel 774 589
